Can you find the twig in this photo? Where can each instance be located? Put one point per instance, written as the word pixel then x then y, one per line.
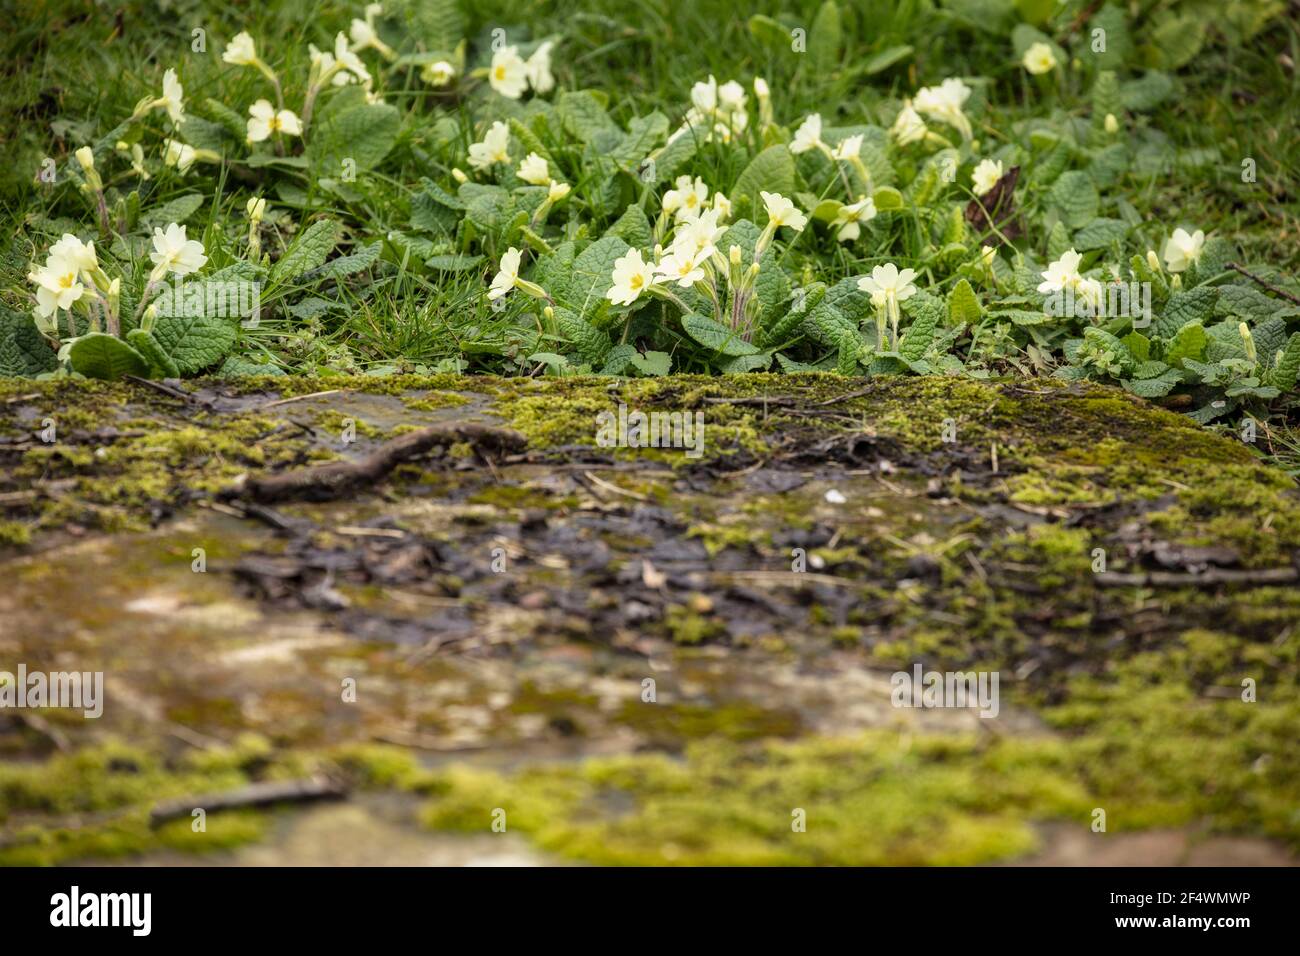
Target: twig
pixel 613 488
pixel 299 398
pixel 254 795
pixel 337 478
pixel 167 390
pixel 1175 579
pixel 1290 297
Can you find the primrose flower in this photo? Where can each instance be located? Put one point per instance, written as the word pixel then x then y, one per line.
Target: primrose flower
pixel 364 37
pixel 718 111
pixel 534 170
pixel 722 206
pixel 80 255
pixel 137 161
pixel 888 286
pixel 850 218
pixel 1039 59
pixel 1062 273
pixel 348 60
pixel 986 176
pixel 264 120
pixel 181 155
pixel 632 276
pixel 849 150
pixel 508 275
pixel 763 94
pixel 782 212
pixel 688 199
pixel 256 209
pixel 908 126
pixel 557 191
pixel 731 97
pixel 440 73
pixel 495 147
pixel 241 50
pixel 699 236
pixel 174 253
pixel 1183 250
pixel 538 69
pixel 57 286
pixel 944 103
pixel 508 74
pixel 987 255
pixel 808 135
pixel 173 98
pixel 704 95
pixel 681 267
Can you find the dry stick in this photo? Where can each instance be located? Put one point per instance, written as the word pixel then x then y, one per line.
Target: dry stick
pixel 1174 579
pixel 337 478
pixel 1267 285
pixel 254 795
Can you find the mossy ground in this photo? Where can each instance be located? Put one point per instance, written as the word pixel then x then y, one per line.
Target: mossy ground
pixel 1121 698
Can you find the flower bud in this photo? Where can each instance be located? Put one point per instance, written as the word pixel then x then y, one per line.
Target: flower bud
pixel 459 176
pixel 86 157
pixel 1112 124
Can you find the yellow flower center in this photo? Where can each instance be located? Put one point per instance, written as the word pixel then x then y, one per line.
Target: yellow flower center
pixel 499 73
pixel 636 282
pixel 67 280
pixel 274 123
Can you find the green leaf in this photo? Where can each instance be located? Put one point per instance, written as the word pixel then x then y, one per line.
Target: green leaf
pixel 1148 92
pixel 1076 197
pixel 769 32
pixel 237 367
pixel 1185 306
pixel 882 60
pixel 437 24
pixel 177 210
pixel 633 228
pixel 716 336
pixel 963 305
pixel 1099 234
pixel 848 352
pixel 1058 241
pixel 350 264
pixel 771 171
pixel 194 342
pixel 1138 345
pixel 23 350
pixel 918 337
pixel 644 134
pixel 582 114
pixel 97 355
pixel 592 344
pixel 824 40
pixel 652 363
pixel 1287 370
pixel 353 139
pixel 308 251
pixel 592 274
pixel 1188 343
pixel 159 361
pixel 1156 387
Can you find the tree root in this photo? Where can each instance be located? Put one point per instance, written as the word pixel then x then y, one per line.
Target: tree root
pixel 254 795
pixel 339 477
